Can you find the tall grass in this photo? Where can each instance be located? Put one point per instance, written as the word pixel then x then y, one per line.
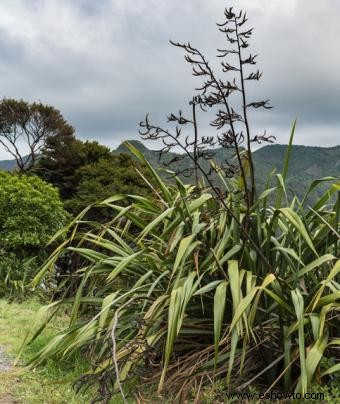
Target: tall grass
pixel 171 290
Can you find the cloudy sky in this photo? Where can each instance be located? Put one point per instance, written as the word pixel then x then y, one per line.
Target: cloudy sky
pixel 106 63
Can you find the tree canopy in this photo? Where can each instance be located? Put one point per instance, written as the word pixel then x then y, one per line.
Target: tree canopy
pixel 108 176
pixel 62 157
pixel 25 128
pixel 87 172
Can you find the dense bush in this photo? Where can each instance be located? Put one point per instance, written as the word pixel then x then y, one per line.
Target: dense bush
pixel 115 174
pixel 62 157
pixel 30 213
pixel 88 172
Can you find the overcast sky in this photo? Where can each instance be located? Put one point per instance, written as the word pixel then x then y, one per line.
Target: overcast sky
pixel 106 63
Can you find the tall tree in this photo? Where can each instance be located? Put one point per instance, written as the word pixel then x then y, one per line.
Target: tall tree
pixel 62 157
pixel 25 129
pixel 111 175
pixel 88 172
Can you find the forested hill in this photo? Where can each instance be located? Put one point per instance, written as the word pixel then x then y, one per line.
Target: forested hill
pixel 7 165
pixel 306 163
pixel 304 160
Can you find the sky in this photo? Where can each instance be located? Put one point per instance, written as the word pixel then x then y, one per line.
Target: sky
pixel 106 63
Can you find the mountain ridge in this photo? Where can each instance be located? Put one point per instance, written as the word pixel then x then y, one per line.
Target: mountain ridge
pixel 307 163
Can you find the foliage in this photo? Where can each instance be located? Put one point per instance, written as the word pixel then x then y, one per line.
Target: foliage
pixel 88 172
pixel 111 175
pixel 30 213
pixel 22 123
pixel 173 300
pixel 62 157
pixel 15 273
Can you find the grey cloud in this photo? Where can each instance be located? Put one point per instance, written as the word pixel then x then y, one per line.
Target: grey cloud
pixel 106 64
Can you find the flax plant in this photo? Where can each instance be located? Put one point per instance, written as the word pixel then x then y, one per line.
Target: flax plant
pixel 160 292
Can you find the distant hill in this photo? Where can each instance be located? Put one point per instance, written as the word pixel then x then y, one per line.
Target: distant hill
pixel 307 163
pixel 162 161
pixel 7 165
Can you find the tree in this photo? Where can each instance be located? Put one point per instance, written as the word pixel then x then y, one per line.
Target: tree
pixel 115 174
pixel 24 125
pixel 62 157
pixel 88 172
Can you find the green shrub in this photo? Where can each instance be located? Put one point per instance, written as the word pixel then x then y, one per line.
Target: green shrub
pixel 30 213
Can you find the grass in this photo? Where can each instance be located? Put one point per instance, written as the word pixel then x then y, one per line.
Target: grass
pixel 52 382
